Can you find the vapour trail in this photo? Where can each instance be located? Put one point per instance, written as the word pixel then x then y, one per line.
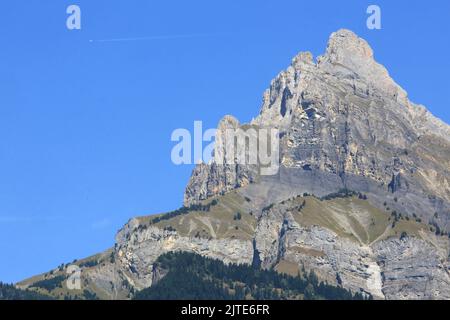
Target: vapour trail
pixel 164 37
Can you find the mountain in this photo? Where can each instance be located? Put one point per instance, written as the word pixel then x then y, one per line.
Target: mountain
pixel 362 195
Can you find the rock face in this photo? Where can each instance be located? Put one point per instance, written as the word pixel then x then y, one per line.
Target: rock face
pixel 137 250
pixel 344 120
pixel 344 124
pixel 407 268
pixel 413 269
pixel 221 175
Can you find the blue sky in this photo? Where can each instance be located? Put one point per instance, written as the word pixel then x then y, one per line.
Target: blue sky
pixel 85 126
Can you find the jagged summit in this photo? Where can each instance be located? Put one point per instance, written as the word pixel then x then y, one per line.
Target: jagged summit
pixel 351 57
pixel 348 60
pixel 347 55
pixel 345 46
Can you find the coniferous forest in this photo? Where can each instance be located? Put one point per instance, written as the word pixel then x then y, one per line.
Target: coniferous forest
pixel 192 277
pixel 9 292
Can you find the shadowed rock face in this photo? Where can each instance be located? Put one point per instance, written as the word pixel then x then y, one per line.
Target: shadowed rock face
pixel 344 116
pixel 219 177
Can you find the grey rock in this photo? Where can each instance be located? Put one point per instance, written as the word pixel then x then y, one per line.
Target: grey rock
pixel 220 175
pixel 345 121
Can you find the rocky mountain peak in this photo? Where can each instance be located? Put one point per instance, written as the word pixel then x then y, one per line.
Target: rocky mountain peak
pixel 345 119
pixel 302 59
pixel 228 122
pixel 348 64
pixel 351 57
pixel 345 46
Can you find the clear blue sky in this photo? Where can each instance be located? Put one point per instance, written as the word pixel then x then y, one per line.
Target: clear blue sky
pixel 85 127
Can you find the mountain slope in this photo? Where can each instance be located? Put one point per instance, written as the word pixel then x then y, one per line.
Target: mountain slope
pixel 343 238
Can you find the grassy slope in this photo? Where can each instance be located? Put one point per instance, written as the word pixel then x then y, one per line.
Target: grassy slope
pixel 355 219
pixel 218 223
pixel 61 291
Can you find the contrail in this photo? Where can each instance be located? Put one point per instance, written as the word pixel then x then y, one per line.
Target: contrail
pixel 28 219
pixel 166 37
